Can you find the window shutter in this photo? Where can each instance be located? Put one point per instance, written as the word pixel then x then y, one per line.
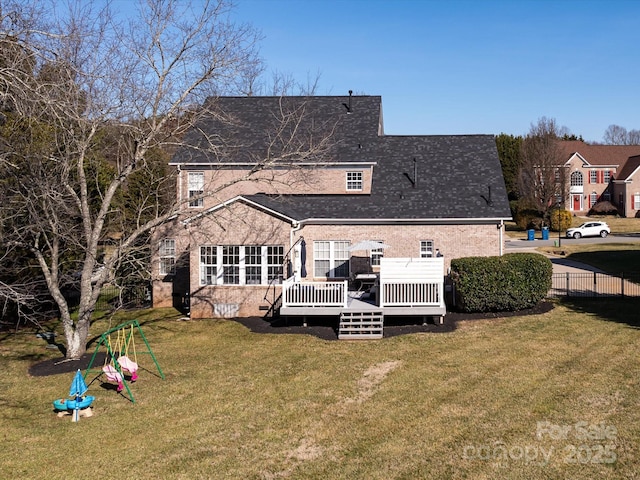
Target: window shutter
pixel 600 176
pixel 633 202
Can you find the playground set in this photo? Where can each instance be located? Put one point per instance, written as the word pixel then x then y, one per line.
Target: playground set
pixel 120 367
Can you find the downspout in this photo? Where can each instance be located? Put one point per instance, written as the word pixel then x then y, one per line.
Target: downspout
pixel 501 237
pixel 179 184
pixel 297 226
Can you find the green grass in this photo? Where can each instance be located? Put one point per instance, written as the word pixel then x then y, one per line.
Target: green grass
pixel 610 257
pixel 250 406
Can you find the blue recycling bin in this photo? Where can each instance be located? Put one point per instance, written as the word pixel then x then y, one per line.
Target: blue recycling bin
pixel 545 233
pixel 531 234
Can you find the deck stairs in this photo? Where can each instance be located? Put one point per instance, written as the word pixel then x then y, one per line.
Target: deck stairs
pixel 360 325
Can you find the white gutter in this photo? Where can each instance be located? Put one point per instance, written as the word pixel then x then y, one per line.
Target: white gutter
pixel 395 221
pixel 283 165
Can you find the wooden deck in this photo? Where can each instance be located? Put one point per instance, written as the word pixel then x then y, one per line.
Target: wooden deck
pixel 356 303
pixel 405 287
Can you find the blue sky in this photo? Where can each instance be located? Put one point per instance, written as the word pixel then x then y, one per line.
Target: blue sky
pixel 458 66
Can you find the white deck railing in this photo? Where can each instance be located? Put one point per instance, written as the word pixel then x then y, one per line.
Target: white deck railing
pixel 314 294
pixel 411 294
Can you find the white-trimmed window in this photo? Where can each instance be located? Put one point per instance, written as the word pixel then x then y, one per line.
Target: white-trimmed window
pixel 208 265
pixel 593 176
pixel 331 259
pixel 576 179
pixel 354 181
pixel 426 249
pixel 231 264
pixel 275 261
pixel 167 253
pixel 607 176
pixel 253 265
pixel 241 264
pixel 593 199
pixel 376 254
pixel 196 189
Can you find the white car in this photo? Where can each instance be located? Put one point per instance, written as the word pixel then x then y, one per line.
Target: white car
pixel 589 229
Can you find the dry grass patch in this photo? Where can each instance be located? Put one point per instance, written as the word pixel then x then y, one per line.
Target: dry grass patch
pixel 242 405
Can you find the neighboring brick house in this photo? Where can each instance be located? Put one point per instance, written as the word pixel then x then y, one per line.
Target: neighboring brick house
pixel 420 195
pixel 602 173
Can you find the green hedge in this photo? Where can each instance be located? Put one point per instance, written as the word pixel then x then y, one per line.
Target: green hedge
pixel 512 282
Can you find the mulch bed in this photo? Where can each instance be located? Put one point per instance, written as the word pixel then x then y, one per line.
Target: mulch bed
pixel 325 329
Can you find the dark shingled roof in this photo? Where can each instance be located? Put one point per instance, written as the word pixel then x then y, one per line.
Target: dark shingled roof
pixel 458 176
pixel 242 127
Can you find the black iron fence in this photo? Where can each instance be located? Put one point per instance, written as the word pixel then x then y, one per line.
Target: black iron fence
pixel 592 284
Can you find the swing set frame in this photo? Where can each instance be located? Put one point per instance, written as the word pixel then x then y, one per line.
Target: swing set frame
pixel 126 330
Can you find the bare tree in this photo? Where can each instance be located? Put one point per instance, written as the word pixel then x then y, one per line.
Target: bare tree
pixel 542 178
pixel 91 92
pixel 616 135
pixel 633 137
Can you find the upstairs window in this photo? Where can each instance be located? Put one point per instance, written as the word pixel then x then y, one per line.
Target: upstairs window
pixel 354 181
pixel 607 176
pixel 167 252
pixel 576 179
pixel 196 189
pixel 593 176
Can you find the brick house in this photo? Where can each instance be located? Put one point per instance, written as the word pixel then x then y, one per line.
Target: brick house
pixel 602 173
pixel 270 206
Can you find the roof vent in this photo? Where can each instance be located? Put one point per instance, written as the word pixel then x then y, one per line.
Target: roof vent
pixel 348 105
pixel 414 180
pixel 488 199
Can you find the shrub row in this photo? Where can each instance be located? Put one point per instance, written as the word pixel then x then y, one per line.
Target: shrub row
pixel 512 282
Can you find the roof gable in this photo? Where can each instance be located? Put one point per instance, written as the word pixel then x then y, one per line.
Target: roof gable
pixel 630 168
pixel 598 155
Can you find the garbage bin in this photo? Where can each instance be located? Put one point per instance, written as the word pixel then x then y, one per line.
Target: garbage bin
pixel 545 233
pixel 531 234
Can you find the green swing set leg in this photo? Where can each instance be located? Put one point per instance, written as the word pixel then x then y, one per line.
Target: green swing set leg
pixel 104 340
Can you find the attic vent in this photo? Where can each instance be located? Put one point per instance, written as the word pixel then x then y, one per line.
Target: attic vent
pixel 488 199
pixel 414 180
pixel 348 105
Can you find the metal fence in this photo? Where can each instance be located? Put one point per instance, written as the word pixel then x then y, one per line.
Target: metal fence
pixel 592 284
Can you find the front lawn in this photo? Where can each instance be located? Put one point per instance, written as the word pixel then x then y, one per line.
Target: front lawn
pixel 549 396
